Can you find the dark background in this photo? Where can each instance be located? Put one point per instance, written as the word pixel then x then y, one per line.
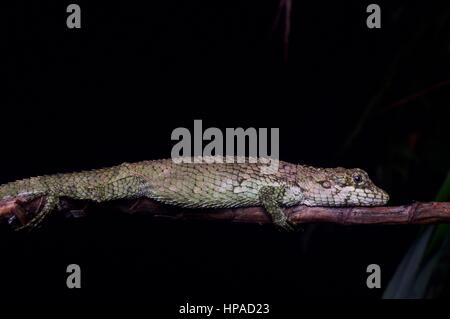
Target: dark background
pixel 114 90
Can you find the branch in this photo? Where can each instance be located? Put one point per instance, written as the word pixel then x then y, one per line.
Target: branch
pixel 21 211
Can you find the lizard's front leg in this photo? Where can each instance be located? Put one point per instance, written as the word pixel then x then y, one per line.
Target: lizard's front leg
pixel 270 198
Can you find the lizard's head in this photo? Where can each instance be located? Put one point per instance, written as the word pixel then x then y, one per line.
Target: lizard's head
pixel 343 187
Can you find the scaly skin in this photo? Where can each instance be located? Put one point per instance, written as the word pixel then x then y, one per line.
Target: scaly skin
pixel 204 185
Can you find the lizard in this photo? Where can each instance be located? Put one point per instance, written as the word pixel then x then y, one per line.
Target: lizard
pixel 204 185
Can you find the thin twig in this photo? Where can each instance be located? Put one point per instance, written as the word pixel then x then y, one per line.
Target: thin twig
pixel 420 93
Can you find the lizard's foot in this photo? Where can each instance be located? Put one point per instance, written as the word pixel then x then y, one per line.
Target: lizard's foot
pixel 50 203
pixel 270 198
pixel 284 224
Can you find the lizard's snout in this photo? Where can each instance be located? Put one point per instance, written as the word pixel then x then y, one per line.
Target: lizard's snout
pixel 381 197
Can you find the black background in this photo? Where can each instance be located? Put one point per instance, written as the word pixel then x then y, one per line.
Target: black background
pixel 114 90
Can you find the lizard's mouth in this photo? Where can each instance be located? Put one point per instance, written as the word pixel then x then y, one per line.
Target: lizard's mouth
pixel 377 198
pixel 373 197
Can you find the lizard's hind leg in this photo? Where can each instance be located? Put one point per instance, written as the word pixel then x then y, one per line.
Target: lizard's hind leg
pixel 51 202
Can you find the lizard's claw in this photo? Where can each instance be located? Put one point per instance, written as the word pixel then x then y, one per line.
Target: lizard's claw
pixel 285 225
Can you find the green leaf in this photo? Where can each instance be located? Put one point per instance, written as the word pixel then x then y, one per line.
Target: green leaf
pixel 444 192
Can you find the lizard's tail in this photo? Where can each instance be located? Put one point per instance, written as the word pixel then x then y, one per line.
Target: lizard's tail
pixel 29 187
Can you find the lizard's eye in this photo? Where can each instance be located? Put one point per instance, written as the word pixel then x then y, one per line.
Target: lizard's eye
pixel 357 178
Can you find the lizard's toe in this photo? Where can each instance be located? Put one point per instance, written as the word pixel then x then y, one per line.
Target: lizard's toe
pixel 285 225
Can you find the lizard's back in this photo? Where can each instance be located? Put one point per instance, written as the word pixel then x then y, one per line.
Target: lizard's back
pixel 212 184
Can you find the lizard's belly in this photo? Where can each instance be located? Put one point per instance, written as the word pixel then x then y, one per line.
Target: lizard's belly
pixel 225 193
